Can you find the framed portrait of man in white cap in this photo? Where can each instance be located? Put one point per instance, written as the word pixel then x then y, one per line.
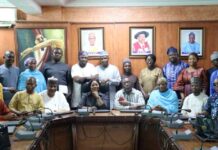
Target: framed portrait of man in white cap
pixel 191 40
pixel 141 41
pixel 92 41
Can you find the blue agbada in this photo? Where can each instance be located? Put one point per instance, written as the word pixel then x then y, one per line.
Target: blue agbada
pixel 168 100
pixel 40 80
pixel 213 77
pixel 171 72
pixel 212 105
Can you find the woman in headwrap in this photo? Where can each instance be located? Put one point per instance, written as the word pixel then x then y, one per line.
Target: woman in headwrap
pixel 31 71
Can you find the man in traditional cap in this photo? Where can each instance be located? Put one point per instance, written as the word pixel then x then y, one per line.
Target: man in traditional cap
pixel 191 46
pixel 196 100
pixel 81 72
pixel 53 99
pixel 9 75
pixel 141 46
pixel 127 72
pixel 108 74
pixel 214 60
pixel 173 68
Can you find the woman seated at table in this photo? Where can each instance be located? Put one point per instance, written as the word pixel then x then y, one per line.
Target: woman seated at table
pixel 94 98
pixel 163 99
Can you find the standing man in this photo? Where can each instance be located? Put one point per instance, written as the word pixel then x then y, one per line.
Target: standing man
pixel 81 72
pixel 173 68
pixel 127 72
pixel 9 75
pixel 56 68
pixel 214 60
pixel 108 74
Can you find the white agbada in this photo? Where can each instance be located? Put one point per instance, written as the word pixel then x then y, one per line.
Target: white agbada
pixel 87 71
pixel 57 103
pixel 110 72
pixel 195 103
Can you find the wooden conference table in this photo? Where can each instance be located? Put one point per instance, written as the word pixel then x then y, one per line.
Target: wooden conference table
pixel 106 131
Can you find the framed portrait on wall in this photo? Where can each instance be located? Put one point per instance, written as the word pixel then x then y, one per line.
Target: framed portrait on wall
pixel 38 43
pixel 92 41
pixel 141 41
pixel 191 40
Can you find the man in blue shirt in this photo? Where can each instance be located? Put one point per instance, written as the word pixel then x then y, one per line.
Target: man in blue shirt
pixel 9 76
pixel 173 68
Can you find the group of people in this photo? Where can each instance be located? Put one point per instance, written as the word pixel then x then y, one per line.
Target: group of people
pixel 60 88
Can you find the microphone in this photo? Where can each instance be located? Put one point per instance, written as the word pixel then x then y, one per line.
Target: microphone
pixel 152 113
pixel 28 134
pixel 179 135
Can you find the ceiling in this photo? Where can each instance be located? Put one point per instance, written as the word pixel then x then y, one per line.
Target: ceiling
pixel 34 6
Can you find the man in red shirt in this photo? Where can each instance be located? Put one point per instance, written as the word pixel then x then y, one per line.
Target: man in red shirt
pixel 5 113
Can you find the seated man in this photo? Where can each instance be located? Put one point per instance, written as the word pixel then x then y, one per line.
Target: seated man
pixel 211 107
pixel 128 97
pixel 163 99
pixel 196 100
pixel 5 113
pixel 95 98
pixel 26 101
pixel 53 99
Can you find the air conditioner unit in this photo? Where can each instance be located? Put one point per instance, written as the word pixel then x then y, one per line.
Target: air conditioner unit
pixel 8 17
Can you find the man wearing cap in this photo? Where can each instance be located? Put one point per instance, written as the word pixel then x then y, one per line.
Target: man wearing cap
pixel 32 72
pixel 191 46
pixel 214 60
pixel 173 68
pixel 9 76
pixel 108 74
pixel 127 73
pixel 196 100
pixel 53 99
pixel 81 73
pixel 141 46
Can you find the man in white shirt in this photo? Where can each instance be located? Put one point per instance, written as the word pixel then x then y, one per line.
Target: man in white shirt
pixel 108 74
pixel 81 72
pixel 196 100
pixel 53 99
pixel 128 97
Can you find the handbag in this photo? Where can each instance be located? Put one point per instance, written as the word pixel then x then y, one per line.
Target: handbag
pixel 4 138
